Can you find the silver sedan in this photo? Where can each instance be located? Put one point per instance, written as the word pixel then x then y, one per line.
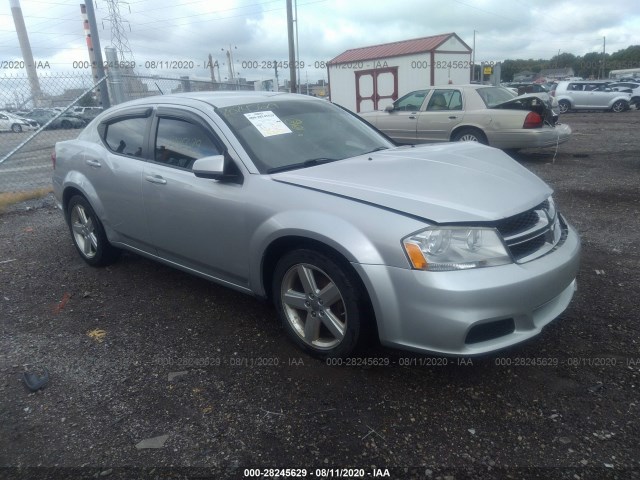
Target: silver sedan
pixel 450 248
pixel 491 115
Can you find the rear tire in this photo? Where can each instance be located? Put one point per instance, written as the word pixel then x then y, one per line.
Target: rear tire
pixel 321 304
pixel 469 135
pixel 619 106
pixel 88 234
pixel 17 128
pixel 564 106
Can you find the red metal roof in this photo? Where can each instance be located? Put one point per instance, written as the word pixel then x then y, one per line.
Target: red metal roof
pixel 395 49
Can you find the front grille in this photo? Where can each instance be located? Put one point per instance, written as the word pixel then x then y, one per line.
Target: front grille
pixel 533 233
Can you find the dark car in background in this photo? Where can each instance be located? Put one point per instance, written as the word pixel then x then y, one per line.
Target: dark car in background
pixel 66 120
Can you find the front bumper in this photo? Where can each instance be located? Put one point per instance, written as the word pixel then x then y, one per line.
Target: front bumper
pixel 436 312
pixel 530 138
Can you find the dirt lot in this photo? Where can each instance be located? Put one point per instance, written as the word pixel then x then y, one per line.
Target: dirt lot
pixel 139 351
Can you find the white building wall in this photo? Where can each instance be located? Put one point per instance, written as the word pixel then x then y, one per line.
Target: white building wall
pixel 451 66
pixel 342 86
pixel 414 73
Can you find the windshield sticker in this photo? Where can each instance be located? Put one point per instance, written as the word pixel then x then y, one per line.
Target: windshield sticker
pixel 267 123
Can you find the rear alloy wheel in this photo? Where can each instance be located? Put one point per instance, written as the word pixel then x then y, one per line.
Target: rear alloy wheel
pixel 619 106
pixel 469 135
pixel 16 127
pixel 320 303
pixel 564 106
pixel 88 233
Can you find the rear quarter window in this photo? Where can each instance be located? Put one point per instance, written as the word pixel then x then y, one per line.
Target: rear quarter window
pixel 126 136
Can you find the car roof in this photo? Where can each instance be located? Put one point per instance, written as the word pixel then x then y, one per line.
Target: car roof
pixel 220 99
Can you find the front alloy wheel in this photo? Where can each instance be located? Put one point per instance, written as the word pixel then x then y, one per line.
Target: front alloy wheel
pixel 16 128
pixel 319 302
pixel 88 233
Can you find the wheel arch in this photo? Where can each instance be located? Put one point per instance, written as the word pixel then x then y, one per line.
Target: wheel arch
pixel 77 184
pixel 285 244
pixel 476 128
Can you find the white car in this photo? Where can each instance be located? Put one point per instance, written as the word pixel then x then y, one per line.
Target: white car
pixel 590 95
pixel 633 87
pixel 13 123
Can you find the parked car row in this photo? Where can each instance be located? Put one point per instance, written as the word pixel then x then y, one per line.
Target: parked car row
pixel 78 117
pixel 66 120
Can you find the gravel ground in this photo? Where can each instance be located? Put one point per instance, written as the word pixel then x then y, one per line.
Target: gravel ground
pixel 141 356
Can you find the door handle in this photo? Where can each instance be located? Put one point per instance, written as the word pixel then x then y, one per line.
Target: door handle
pixel 452 117
pixel 412 117
pixel 93 163
pixel 155 179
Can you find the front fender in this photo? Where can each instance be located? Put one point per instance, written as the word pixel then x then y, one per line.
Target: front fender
pixel 330 230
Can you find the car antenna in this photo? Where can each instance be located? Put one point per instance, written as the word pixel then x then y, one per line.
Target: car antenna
pixel 159 89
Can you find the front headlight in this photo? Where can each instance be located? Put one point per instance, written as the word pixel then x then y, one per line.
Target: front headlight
pixel 455 248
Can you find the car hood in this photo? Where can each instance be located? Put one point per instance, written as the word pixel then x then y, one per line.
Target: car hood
pixel 442 183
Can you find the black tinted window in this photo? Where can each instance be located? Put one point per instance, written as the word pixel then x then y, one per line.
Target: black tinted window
pixel 180 143
pixel 126 136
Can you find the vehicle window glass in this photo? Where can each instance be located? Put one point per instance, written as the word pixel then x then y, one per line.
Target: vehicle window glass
pixel 180 143
pixel 281 134
pixel 445 100
pixel 126 136
pixel 411 102
pixel 493 96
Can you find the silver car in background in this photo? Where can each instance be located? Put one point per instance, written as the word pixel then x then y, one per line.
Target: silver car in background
pixel 450 248
pixel 590 95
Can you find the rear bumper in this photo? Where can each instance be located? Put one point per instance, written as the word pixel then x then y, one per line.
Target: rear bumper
pixel 464 312
pixel 530 138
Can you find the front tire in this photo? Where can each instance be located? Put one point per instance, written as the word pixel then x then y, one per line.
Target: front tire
pixel 17 128
pixel 321 303
pixel 88 234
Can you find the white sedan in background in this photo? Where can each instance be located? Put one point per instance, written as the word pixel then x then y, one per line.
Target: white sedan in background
pixel 13 123
pixel 491 115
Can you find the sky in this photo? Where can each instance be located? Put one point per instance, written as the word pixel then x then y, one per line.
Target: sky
pixel 174 38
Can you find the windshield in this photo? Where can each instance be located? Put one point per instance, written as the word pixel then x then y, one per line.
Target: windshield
pixel 299 133
pixel 493 96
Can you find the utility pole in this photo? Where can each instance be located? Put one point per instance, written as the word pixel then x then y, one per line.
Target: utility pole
pixel 27 55
pixel 604 44
pixel 473 60
pixel 297 44
pixel 95 54
pixel 213 75
pixel 292 52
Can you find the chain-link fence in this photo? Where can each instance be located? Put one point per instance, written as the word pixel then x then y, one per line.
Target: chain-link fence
pixel 34 118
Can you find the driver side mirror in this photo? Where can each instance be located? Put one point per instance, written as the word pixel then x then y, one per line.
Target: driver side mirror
pixel 389 108
pixel 217 167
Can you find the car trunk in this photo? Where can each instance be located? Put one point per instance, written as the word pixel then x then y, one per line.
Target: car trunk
pixel 539 103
